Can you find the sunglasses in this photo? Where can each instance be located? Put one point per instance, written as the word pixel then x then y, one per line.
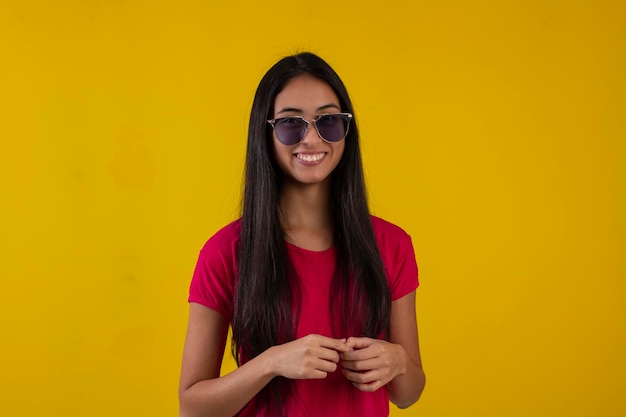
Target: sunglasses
pixel 331 127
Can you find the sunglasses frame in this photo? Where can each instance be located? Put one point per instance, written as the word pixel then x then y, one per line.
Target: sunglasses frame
pixel 348 116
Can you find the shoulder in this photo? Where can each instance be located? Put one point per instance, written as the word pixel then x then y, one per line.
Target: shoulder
pixel 224 240
pixel 393 242
pixel 398 256
pixel 212 284
pixel 388 233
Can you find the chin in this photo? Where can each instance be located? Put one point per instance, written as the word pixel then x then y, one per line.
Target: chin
pixel 309 180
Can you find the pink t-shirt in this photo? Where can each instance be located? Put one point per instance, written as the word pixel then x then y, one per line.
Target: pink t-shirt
pixel 213 286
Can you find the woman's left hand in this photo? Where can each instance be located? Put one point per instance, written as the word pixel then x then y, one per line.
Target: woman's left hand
pixel 372 363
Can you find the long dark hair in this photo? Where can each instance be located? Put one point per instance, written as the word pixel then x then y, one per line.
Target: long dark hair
pixel 266 299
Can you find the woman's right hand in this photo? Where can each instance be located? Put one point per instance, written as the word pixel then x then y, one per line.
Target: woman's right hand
pixel 310 357
pixel 204 392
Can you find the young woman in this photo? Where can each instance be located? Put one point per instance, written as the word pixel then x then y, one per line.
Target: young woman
pixel 320 294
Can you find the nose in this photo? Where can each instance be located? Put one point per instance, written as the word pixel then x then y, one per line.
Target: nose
pixel 311 135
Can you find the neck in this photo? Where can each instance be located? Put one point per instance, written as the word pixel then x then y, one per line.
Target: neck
pixel 306 215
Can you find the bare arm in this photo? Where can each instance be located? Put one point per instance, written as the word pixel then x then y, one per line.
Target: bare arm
pixel 203 392
pixel 373 363
pixel 406 388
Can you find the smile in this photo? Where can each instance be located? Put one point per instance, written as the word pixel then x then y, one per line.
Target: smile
pixel 310 157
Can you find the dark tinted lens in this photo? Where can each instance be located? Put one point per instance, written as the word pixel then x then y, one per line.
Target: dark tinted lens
pixel 332 127
pixel 290 130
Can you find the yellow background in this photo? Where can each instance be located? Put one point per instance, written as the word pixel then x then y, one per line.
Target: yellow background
pixel 493 132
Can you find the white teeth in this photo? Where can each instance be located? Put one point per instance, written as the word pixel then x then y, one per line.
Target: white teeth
pixel 310 157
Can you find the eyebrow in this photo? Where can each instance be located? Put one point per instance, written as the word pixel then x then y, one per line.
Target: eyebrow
pixel 321 108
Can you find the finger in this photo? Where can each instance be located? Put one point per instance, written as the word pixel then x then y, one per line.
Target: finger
pixel 363 365
pixel 326 366
pixel 338 345
pixel 361 377
pixel 327 354
pixel 359 342
pixel 371 387
pixel 316 374
pixel 359 355
pixel 313 367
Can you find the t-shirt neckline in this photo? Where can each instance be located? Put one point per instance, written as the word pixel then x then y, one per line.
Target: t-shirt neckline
pixel 309 251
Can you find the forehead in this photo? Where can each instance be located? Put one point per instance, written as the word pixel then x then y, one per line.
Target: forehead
pixel 305 93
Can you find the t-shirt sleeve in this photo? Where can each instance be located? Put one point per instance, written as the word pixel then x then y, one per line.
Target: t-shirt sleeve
pixel 213 278
pixel 396 250
pixel 402 269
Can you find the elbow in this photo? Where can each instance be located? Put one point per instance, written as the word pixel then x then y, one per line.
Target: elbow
pixel 405 403
pixel 184 408
pixel 402 406
pixel 404 398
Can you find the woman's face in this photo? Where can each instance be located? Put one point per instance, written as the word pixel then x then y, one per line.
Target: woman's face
pixel 312 160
